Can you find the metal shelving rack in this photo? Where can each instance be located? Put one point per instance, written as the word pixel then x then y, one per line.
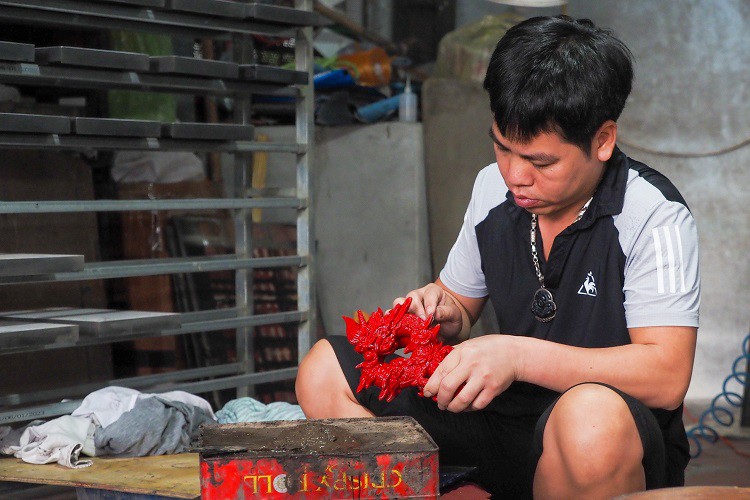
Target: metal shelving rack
pixel 264 19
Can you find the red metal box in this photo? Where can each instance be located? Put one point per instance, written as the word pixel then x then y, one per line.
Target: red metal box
pixel 390 457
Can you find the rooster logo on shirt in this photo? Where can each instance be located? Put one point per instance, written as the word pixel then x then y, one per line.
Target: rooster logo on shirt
pixel 589 286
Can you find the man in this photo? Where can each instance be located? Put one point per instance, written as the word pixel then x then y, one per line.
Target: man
pixel 590 260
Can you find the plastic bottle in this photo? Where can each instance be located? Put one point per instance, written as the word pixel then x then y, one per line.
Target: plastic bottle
pixel 407 104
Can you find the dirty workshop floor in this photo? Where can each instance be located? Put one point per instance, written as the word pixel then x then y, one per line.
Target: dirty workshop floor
pixel 724 463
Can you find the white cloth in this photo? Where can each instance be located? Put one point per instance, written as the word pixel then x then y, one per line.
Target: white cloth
pixel 156 166
pixel 187 398
pixel 63 439
pixel 106 405
pixel 60 440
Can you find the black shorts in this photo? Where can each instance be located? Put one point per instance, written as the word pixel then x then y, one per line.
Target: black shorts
pixel 505 449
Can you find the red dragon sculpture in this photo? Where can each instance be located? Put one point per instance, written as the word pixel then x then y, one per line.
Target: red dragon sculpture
pixel 380 335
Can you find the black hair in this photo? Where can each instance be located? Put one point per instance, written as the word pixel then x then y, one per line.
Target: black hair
pixel 558 74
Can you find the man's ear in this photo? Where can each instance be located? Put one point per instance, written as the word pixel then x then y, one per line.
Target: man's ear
pixel 605 140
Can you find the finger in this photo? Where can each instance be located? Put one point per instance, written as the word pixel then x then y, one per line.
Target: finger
pixel 466 395
pixel 432 296
pixel 444 368
pixel 446 313
pixel 482 400
pixel 417 304
pixel 450 384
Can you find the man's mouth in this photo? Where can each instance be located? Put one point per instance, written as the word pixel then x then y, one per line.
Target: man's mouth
pixel 525 202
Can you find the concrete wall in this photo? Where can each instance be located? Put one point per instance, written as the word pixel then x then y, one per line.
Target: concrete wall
pixel 370 213
pixel 371 217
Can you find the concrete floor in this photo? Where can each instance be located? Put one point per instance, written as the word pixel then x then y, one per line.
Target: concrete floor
pixel 720 465
pixel 725 462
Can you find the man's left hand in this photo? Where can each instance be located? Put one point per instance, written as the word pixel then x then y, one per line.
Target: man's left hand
pixel 474 373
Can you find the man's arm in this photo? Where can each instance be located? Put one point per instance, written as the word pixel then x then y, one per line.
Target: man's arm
pixel 655 368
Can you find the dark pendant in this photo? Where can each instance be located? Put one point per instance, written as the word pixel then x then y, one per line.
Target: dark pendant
pixel 543 306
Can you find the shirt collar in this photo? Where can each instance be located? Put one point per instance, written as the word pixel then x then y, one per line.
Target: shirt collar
pixel 609 197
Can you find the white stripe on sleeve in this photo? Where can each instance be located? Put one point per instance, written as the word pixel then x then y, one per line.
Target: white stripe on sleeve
pixel 659 263
pixel 670 258
pixel 682 262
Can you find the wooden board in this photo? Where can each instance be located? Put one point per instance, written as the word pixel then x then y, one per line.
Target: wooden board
pixel 691 492
pixel 166 475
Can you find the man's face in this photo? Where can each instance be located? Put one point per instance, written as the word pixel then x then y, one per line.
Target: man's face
pixel 547 176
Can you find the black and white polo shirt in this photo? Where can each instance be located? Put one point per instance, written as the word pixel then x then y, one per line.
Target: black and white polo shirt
pixel 631 261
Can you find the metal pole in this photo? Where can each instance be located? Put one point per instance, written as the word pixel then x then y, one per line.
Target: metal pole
pixel 243 230
pixel 305 227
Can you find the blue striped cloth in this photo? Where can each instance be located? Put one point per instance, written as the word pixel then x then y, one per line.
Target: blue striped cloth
pixel 251 410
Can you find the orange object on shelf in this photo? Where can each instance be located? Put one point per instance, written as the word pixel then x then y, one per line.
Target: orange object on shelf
pixel 372 67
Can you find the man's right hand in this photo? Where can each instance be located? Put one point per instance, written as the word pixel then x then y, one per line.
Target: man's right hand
pixel 433 299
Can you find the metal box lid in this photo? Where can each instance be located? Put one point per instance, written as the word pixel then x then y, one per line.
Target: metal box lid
pixel 338 436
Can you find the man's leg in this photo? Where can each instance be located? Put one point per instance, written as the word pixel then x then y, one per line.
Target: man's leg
pixel 495 443
pixel 591 447
pixel 322 389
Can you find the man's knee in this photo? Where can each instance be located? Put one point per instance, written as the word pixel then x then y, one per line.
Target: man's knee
pixel 592 431
pixel 313 374
pixel 322 388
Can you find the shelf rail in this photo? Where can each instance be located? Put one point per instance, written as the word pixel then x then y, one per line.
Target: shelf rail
pixel 195 387
pixel 187 328
pixel 88 15
pixel 82 206
pixel 154 267
pixel 104 79
pixel 99 143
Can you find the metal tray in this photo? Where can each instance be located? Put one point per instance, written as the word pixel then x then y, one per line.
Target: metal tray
pixel 271 74
pixel 116 127
pixel 142 3
pixel 11 51
pixel 193 66
pixel 283 15
pixel 21 335
pixel 101 322
pixel 92 58
pixel 220 8
pixel 208 131
pixel 26 264
pixel 34 124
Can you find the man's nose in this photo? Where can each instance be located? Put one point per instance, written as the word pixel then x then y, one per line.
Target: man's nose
pixel 520 172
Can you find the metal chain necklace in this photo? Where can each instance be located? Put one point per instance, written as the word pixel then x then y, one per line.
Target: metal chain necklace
pixel 543 306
